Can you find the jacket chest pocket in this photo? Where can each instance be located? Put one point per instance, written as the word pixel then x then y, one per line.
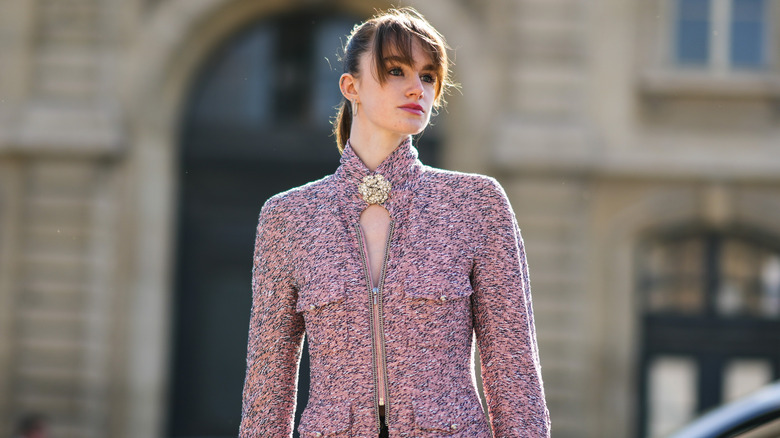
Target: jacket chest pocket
pixel 439 309
pixel 331 418
pixel 454 417
pixel 324 307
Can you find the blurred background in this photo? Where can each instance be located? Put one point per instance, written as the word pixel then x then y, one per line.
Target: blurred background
pixel 638 141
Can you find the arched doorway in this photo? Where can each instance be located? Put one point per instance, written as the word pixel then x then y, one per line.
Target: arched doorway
pixel 256 122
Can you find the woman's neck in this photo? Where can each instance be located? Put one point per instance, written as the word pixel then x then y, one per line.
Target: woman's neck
pixel 373 148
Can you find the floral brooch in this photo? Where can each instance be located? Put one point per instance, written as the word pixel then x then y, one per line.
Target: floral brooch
pixel 374 189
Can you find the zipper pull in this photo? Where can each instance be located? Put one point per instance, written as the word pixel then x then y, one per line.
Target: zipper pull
pixel 376 291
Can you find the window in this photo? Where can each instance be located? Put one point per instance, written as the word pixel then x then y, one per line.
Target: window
pixel 748 33
pixel 721 34
pixel 724 275
pixel 693 31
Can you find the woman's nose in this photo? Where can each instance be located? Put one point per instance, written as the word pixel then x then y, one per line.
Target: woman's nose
pixel 416 87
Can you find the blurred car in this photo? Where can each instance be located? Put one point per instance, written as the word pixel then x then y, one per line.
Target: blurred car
pixel 755 416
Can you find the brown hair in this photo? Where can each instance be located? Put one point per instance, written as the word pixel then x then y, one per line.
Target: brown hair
pixel 396 28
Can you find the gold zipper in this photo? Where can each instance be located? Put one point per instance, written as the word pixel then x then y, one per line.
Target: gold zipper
pixel 382 319
pixel 373 299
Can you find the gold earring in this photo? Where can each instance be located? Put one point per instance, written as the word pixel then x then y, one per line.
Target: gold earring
pixel 355 105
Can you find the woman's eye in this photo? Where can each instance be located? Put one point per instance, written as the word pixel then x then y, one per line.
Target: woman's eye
pixel 396 71
pixel 429 78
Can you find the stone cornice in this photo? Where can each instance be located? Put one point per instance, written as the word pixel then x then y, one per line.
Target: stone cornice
pixel 94 130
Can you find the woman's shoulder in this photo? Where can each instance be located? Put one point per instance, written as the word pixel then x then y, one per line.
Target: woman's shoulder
pixel 297 198
pixel 476 184
pixel 473 193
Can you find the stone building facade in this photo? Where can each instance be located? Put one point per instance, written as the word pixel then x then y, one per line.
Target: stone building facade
pixel 638 141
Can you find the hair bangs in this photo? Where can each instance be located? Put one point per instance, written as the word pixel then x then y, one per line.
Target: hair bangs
pixel 396 37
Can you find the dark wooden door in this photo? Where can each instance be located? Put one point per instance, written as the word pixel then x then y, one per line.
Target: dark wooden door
pixel 710 322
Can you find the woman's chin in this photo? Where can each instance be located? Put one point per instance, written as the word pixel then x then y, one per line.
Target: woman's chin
pixel 417 129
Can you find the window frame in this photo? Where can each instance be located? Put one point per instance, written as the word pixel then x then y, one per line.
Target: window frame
pixel 664 76
pixel 719 56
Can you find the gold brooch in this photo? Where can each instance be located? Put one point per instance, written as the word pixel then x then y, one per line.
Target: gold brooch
pixel 374 189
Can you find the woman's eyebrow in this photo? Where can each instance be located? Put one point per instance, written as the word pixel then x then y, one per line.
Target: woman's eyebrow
pixel 401 60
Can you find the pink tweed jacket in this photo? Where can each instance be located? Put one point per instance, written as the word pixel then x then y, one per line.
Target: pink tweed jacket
pixel 455 266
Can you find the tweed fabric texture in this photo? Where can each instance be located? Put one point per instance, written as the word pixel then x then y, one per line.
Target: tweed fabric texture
pixel 455 271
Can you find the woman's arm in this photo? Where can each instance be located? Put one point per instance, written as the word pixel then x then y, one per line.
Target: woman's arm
pixel 275 334
pixel 504 323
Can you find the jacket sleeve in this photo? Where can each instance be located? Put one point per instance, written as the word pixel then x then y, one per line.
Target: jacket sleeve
pixel 275 334
pixel 504 323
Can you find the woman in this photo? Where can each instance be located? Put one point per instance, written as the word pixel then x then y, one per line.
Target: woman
pixel 389 266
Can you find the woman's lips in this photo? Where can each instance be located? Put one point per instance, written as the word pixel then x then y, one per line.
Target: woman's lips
pixel 414 109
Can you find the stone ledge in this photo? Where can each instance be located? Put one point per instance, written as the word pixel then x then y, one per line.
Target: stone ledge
pixel 565 146
pixel 62 128
pixel 675 83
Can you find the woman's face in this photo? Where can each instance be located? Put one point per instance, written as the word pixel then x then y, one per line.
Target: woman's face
pixel 403 104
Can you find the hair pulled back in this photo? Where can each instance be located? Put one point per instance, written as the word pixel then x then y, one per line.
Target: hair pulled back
pixel 395 29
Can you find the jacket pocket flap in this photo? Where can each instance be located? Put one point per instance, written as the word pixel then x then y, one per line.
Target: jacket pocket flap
pixel 325 419
pixel 449 285
pixel 317 294
pixel 444 417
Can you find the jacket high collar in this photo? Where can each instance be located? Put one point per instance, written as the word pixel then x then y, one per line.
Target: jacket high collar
pixel 401 168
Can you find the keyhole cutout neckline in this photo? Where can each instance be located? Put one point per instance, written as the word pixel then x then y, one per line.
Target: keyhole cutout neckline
pixel 375 224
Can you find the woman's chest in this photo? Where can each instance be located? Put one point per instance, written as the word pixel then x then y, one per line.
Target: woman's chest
pixel 418 246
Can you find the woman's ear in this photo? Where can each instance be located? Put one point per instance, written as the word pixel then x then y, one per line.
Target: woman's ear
pixel 348 87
